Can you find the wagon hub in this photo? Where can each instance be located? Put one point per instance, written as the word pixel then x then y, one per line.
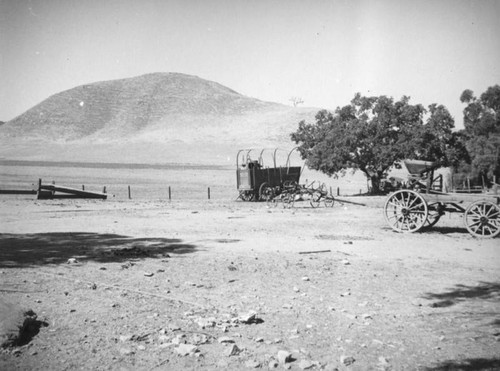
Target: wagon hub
pixel 484 220
pixel 405 211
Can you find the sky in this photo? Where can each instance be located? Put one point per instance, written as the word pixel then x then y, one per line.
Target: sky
pixel 322 51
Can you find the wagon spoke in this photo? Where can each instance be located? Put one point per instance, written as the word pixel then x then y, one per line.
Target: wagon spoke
pixel 487 226
pixel 492 213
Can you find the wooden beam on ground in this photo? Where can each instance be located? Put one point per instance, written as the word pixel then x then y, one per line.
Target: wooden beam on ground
pixel 17 192
pixel 75 193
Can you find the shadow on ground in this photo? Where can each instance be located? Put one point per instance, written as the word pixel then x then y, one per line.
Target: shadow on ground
pixel 24 250
pixel 445 230
pixel 471 364
pixel 484 291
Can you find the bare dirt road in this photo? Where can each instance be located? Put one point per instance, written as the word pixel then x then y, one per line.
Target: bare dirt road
pixel 126 285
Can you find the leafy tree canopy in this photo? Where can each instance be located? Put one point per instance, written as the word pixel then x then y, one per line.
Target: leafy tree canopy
pixel 373 133
pixel 482 131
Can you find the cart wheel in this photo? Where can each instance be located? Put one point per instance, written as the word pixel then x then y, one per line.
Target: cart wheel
pixel 405 211
pixel 434 213
pixel 329 201
pixel 289 200
pixel 266 192
pixel 247 195
pixel 482 219
pixel 316 199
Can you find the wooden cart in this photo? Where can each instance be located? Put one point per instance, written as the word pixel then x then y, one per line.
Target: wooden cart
pixel 410 210
pixel 256 181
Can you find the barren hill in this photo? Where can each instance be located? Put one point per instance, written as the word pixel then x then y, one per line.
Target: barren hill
pixel 159 117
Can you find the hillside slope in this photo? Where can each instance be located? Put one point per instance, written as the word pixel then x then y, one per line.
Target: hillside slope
pixel 168 117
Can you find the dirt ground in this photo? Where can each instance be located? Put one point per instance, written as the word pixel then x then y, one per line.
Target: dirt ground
pixel 158 285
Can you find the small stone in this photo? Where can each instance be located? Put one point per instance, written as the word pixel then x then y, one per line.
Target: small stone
pixel 347 360
pixel 347 293
pixel 141 347
pixel 284 357
pixel 305 278
pixel 366 316
pixel 305 364
pixel 225 340
pixel 72 261
pixel 126 351
pixel 382 361
pixel 247 317
pixel 173 327
pixel 296 289
pixel 252 364
pixel 149 274
pixel 233 350
pixel 259 340
pixel 273 364
pixel 206 322
pixel 199 339
pixel 124 338
pixel 186 349
pixel 346 262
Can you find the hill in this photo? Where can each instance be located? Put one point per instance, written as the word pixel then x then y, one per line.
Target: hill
pixel 159 117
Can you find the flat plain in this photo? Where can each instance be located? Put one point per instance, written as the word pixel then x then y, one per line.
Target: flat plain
pixel 192 283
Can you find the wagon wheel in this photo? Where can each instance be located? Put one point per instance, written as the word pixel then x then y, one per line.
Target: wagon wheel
pixel 482 219
pixel 289 200
pixel 405 211
pixel 315 200
pixel 434 214
pixel 329 201
pixel 266 192
pixel 247 195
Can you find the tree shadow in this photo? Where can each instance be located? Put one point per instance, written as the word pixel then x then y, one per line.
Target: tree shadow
pixel 484 291
pixel 30 250
pixel 470 364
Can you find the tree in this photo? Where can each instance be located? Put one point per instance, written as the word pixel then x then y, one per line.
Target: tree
pixel 482 132
pixel 372 134
pixel 296 101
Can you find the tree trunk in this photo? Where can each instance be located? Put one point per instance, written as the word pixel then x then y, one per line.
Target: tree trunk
pixel 375 180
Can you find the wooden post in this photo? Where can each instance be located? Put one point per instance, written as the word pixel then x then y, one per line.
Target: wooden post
pixel 209 193
pixel 129 197
pixel 39 184
pixel 338 191
pixel 331 192
pixel 169 193
pixel 104 189
pixel 83 187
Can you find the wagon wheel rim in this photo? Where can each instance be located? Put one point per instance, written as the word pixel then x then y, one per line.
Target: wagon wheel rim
pixel 288 201
pixel 329 201
pixel 433 214
pixel 266 192
pixel 247 195
pixel 482 219
pixel 406 211
pixel 315 199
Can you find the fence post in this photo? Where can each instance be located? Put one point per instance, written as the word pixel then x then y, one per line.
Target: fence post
pixel 129 197
pixel 169 193
pixel 338 191
pixel 209 193
pixel 104 189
